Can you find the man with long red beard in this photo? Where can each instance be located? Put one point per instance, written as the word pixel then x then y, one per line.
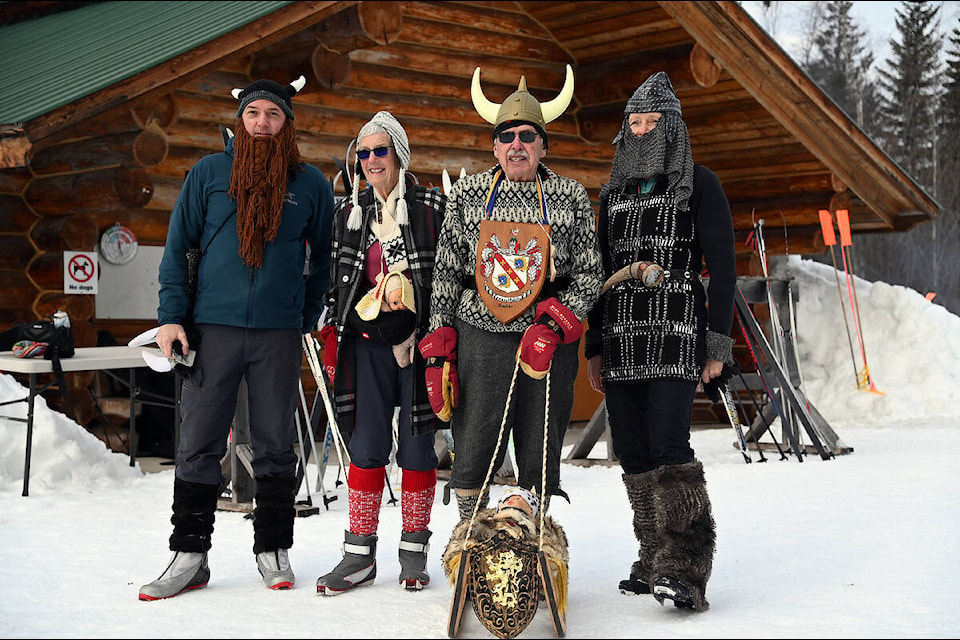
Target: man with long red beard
pixel 252 211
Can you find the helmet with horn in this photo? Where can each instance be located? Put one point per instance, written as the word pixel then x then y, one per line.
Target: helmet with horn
pixel 521 106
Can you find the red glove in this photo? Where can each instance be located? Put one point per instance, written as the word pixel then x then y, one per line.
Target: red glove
pixel 439 350
pixel 553 324
pixel 329 336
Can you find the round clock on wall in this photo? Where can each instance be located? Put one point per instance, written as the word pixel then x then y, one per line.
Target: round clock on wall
pixel 118 244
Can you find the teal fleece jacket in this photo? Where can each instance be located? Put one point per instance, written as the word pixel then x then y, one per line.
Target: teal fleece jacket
pixel 279 295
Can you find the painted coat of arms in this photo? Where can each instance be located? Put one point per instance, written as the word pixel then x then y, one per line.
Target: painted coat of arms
pixel 511 258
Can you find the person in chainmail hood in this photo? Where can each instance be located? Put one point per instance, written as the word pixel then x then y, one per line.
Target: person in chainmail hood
pixel 652 337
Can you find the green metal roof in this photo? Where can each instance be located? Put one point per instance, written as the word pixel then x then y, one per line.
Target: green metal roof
pixel 56 59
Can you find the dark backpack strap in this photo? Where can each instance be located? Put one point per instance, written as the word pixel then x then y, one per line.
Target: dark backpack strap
pixel 58 370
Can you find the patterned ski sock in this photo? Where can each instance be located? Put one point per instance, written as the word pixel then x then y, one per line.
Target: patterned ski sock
pixel 365 493
pixel 417 493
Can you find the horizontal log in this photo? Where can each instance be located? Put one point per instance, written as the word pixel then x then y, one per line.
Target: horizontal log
pixel 799 240
pixel 15 251
pixel 165 193
pixel 19 292
pixel 78 307
pixel 124 119
pixel 14 180
pixel 113 189
pixel 363 25
pixel 46 270
pixel 149 226
pixel 17 216
pixel 499 78
pixel 66 233
pixel 140 148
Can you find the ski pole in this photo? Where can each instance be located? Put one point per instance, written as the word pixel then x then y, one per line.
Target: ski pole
pixel 846 240
pixel 728 404
pixel 303 463
pixel 766 423
pixel 830 239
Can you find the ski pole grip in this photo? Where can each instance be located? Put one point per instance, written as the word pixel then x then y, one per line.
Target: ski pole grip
pixel 843 223
pixel 826 227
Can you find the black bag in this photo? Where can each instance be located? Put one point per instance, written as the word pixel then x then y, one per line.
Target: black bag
pixel 59 340
pixel 58 337
pixel 389 327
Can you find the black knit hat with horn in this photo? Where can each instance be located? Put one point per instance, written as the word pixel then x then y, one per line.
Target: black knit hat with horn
pixel 272 91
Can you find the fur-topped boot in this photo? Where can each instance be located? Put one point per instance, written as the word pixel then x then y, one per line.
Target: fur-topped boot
pixel 640 493
pixel 686 536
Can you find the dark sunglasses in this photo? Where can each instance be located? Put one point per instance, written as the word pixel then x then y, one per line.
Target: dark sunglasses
pixel 380 152
pixel 506 137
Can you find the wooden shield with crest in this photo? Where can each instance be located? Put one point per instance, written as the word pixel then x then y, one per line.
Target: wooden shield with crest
pixel 505 583
pixel 512 258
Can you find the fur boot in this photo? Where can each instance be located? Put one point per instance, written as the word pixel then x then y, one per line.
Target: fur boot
pixel 640 493
pixel 686 536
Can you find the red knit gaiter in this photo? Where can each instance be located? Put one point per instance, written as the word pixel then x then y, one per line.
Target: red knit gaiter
pixel 417 492
pixel 364 494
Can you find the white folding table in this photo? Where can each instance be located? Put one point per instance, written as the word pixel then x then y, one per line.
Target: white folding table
pixel 84 359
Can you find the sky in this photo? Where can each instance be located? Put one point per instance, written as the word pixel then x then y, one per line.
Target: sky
pixel 863 545
pixel 877 19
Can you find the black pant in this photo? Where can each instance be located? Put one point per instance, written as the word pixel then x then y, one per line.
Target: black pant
pixel 270 360
pixel 650 422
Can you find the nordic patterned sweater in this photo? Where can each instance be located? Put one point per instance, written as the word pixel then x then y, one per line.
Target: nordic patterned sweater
pixel 573 237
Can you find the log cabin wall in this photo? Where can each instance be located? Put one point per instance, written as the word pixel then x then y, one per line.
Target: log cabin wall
pixel 415 59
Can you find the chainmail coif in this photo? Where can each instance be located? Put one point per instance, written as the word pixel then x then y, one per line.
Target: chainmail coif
pixel 663 151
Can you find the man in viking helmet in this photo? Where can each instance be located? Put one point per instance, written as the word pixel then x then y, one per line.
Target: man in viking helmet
pixel 252 211
pixel 517 268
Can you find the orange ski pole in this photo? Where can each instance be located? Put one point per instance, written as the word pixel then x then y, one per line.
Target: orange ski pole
pixel 829 239
pixel 843 223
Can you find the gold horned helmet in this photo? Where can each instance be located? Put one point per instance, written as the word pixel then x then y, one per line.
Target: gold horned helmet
pixel 521 106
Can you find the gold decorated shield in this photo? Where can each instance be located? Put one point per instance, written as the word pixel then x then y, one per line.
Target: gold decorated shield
pixel 512 258
pixel 505 584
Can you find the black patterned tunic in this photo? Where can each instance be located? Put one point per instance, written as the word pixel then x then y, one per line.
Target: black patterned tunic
pixel 659 332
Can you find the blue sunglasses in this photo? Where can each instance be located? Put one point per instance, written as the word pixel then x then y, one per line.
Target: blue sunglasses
pixel 380 152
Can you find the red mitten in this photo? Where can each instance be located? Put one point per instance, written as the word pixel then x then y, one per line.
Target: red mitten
pixel 329 336
pixel 439 351
pixel 554 324
pixel 570 328
pixel 536 350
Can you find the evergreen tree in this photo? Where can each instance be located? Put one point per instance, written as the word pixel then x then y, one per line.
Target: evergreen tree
pixel 948 185
pixel 841 64
pixel 910 132
pixel 909 91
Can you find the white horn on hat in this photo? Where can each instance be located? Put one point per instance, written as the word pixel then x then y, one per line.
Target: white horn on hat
pixel 555 108
pixel 487 110
pixel 299 83
pixel 236 93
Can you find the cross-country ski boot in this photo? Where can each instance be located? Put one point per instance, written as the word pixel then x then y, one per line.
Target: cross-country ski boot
pixel 185 571
pixel 413 559
pixel 358 567
pixel 274 566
